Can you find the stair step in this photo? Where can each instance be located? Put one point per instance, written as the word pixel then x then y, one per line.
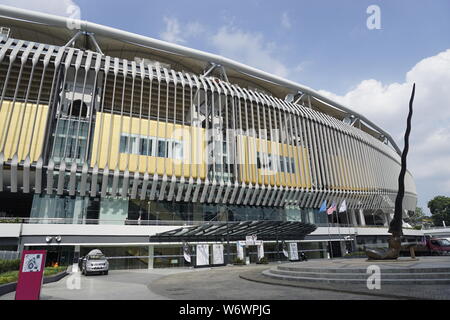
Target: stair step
pixel 364 270
pixel 268 273
pixel 362 275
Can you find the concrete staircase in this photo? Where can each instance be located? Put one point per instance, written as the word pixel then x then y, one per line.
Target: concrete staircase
pixel 305 272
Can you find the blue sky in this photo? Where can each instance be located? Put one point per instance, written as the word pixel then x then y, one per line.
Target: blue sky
pixel 325 45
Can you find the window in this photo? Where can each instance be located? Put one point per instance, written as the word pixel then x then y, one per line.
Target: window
pixel 281 160
pixel 129 144
pixel 145 148
pixel 70 139
pixel 162 149
pixel 123 144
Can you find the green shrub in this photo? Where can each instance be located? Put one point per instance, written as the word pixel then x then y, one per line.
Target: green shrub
pixel 13 276
pixel 9 277
pixel 11 220
pixel 239 261
pixel 9 265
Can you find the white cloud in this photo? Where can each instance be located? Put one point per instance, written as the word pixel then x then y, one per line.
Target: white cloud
pixel 286 21
pixel 387 106
pixel 176 33
pixel 173 31
pixel 302 66
pixel 66 8
pixel 248 48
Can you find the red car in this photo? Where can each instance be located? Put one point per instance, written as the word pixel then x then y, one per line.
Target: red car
pixel 438 246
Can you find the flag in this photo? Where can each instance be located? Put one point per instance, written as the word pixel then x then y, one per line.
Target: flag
pixel 187 253
pixel 332 208
pixel 343 207
pixel 323 207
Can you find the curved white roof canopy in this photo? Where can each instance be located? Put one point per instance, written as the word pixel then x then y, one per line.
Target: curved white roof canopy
pixel 127 37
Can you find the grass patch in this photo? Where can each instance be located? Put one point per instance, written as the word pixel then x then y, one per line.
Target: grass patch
pixel 12 276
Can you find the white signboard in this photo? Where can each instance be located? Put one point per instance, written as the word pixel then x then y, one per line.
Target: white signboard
pixel 240 249
pixel 32 263
pixel 251 240
pixel 202 255
pixel 218 254
pixel 293 251
pixel 260 250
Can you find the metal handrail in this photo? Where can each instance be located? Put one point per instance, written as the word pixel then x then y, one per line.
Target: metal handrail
pixel 81 221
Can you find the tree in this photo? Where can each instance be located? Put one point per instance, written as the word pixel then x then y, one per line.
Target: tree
pixel 440 210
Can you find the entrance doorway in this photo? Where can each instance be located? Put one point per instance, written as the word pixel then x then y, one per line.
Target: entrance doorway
pixel 335 248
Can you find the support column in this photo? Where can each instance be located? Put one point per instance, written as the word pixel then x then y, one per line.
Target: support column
pixel 151 253
pixel 343 248
pixel 386 220
pixel 353 218
pixel 361 217
pixel 76 257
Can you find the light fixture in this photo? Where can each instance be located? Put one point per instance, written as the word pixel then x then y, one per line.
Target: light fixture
pixel 58 239
pixel 48 239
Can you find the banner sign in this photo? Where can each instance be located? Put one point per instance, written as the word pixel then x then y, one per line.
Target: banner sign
pixel 31 274
pixel 187 253
pixel 260 250
pixel 293 251
pixel 285 249
pixel 202 255
pixel 218 254
pixel 251 240
pixel 240 249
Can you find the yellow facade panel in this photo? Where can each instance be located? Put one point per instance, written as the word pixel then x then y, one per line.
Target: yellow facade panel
pixel 25 134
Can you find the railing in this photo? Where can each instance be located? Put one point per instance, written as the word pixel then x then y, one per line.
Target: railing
pixel 129 222
pixel 101 221
pixel 9 255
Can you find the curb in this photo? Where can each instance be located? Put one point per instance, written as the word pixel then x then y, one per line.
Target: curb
pixel 10 287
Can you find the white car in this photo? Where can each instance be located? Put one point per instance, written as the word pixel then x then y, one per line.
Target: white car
pixel 94 262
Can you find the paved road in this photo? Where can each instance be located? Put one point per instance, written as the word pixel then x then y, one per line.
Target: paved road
pixel 191 284
pixel 225 284
pixel 117 285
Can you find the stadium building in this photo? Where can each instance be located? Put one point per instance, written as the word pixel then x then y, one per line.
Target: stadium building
pixel 142 148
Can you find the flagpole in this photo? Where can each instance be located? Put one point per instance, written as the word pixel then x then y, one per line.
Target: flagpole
pixel 329 237
pixel 339 229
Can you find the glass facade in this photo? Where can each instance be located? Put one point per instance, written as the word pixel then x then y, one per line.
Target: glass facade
pixel 111 210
